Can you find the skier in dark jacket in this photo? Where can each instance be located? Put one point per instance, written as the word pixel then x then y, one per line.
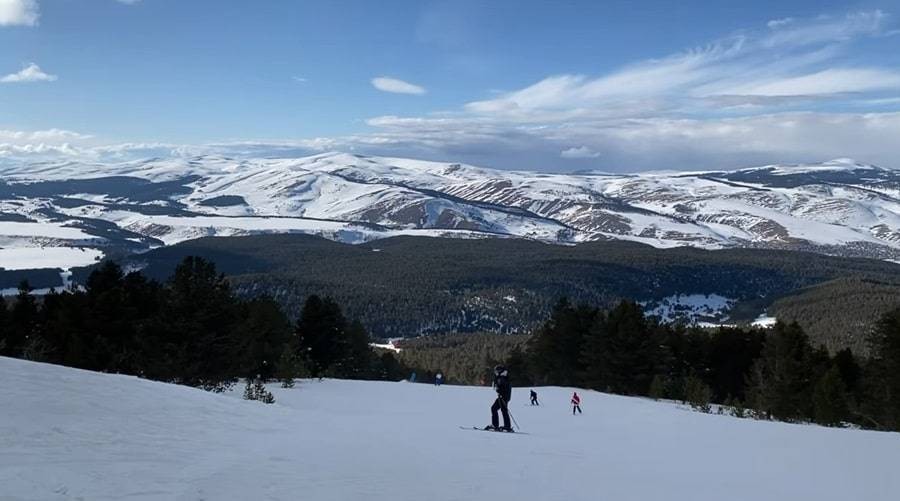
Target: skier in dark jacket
pixel 504 393
pixel 534 398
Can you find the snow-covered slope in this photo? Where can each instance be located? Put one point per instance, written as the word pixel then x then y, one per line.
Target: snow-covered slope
pixel 838 207
pixel 70 434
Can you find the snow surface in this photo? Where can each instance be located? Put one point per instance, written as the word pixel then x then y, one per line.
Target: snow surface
pixel 71 434
pixel 764 321
pixel 42 229
pixel 24 258
pixel 693 308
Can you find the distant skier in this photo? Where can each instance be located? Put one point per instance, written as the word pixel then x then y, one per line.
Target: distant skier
pixel 504 394
pixel 576 403
pixel 438 379
pixel 534 400
pixel 412 377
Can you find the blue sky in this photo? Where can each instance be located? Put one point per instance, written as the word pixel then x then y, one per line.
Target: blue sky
pixel 561 85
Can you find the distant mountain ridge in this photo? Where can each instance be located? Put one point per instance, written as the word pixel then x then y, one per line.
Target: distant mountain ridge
pixel 839 207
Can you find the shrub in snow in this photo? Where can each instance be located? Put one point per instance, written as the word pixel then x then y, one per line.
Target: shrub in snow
pixel 255 389
pixel 698 394
pixel 657 388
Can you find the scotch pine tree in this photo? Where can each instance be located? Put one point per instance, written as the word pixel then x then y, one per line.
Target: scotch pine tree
pixel 781 379
pixel 883 408
pixel 320 334
pixel 830 399
pixel 620 354
pixel 23 320
pixel 657 387
pixel 698 394
pixel 4 326
pixel 556 347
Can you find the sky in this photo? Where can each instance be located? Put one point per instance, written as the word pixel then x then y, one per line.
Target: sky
pixel 616 85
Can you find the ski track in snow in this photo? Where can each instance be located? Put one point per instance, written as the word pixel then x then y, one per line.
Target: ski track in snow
pixel 71 434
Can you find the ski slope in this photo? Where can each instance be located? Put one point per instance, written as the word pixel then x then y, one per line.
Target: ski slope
pixel 71 434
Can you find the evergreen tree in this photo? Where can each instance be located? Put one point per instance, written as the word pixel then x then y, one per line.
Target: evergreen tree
pixel 289 367
pixel 620 354
pixel 260 392
pixel 556 347
pixel 202 314
pixel 23 320
pixel 850 370
pixel 261 334
pixel 391 368
pixel 830 399
pixel 519 369
pixel 249 390
pixel 4 326
pixel 782 375
pixel 657 388
pixel 698 394
pixel 883 408
pixel 357 360
pixel 737 408
pixel 320 334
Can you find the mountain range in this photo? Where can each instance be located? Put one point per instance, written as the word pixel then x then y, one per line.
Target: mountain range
pixel 76 212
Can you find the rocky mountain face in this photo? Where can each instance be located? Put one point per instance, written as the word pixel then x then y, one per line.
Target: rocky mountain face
pixel 85 210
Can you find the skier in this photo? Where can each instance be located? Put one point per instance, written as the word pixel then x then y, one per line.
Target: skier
pixel 438 379
pixel 576 403
pixel 534 398
pixel 504 393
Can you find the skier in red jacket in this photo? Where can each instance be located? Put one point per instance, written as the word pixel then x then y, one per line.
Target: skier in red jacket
pixel 576 403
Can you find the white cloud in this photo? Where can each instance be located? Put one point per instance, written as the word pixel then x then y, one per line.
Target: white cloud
pixel 30 73
pixel 579 152
pixel 825 29
pixel 829 81
pixel 388 84
pixel 778 23
pixel 757 96
pixel 41 135
pixel 794 59
pixel 19 12
pixel 299 79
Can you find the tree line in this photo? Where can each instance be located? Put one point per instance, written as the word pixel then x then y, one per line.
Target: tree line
pixel 190 329
pixel 460 358
pixel 773 374
pixel 420 286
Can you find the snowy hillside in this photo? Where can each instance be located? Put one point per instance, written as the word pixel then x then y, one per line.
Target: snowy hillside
pixel 838 207
pixel 70 434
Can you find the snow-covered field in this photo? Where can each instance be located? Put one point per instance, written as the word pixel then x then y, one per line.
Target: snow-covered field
pixel 692 308
pixel 22 258
pixel 70 434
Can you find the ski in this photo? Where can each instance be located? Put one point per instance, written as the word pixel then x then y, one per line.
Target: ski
pixel 475 428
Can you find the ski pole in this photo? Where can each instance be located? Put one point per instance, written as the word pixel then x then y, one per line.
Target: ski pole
pixel 510 413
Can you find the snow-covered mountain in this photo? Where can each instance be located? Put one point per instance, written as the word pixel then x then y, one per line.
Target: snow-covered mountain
pixel 84 209
pixel 73 434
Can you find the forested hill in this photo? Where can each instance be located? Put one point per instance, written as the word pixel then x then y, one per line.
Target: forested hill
pixel 404 286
